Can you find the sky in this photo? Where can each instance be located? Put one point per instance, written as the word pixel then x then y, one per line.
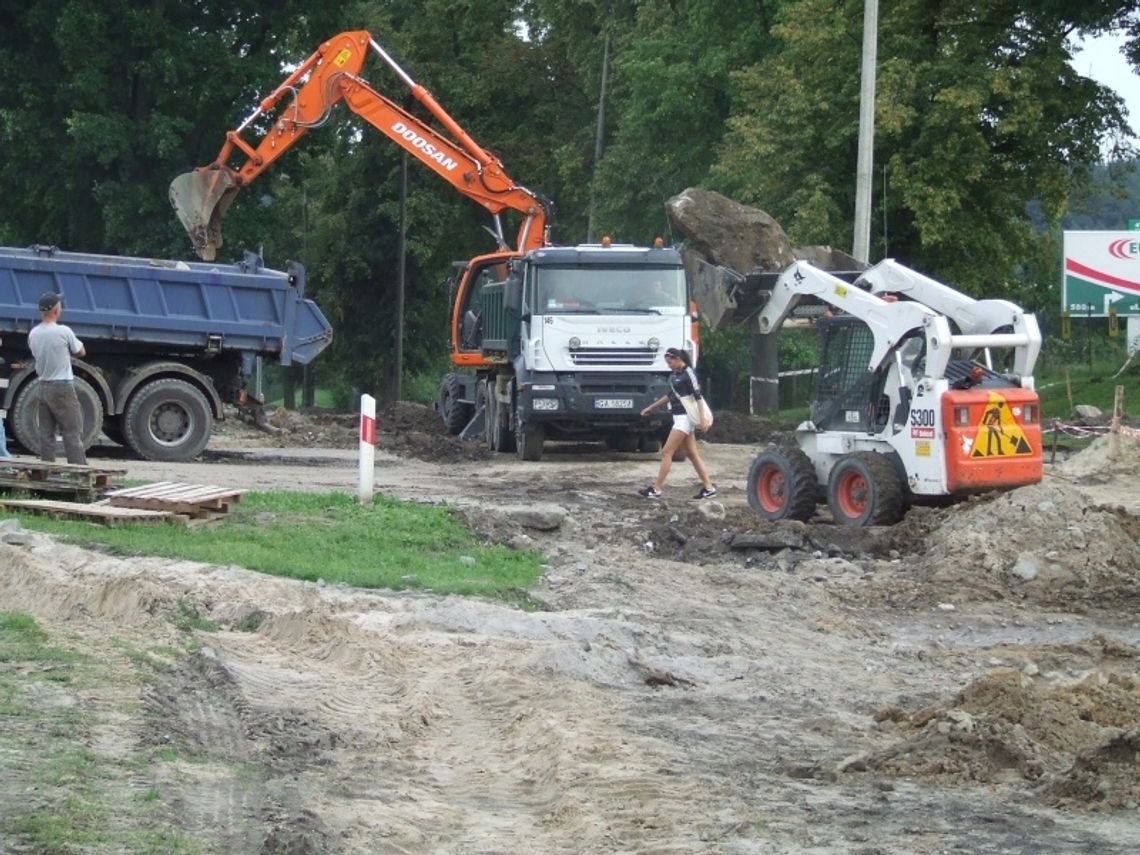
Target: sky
pixel 1100 59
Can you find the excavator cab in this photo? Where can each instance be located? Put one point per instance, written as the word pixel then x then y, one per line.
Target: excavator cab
pixel 200 199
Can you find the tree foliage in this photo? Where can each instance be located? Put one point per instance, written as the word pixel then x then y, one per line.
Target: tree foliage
pixel 979 113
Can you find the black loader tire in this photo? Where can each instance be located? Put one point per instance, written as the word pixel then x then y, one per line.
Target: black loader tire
pixel 782 485
pixel 864 489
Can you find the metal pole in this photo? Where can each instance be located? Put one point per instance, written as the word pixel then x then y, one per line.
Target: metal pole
pixel 398 396
pixel 866 156
pixel 598 137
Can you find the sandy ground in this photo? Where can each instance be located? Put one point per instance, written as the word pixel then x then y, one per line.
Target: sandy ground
pixel 694 681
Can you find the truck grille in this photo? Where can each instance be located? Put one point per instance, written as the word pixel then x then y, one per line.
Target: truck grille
pixel 616 356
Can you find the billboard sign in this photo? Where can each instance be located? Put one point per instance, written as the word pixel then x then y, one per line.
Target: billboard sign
pixel 1101 271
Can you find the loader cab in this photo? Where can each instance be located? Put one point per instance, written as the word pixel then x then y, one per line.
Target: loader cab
pixel 848 397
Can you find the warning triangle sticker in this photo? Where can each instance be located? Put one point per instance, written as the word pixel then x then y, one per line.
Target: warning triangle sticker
pixel 999 434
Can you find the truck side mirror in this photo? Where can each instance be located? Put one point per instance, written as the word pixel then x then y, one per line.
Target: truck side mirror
pixel 512 293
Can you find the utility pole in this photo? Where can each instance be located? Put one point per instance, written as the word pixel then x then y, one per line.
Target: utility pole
pixel 599 136
pixel 398 391
pixel 865 164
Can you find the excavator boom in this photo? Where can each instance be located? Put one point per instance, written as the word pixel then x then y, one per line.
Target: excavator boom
pixel 200 198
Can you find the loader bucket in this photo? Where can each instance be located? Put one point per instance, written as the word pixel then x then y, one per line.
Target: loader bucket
pixel 200 199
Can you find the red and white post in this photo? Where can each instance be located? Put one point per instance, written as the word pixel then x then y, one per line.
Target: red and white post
pixel 367 448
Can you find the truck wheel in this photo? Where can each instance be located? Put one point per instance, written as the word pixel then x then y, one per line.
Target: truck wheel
pixel 169 420
pixel 622 441
pixel 452 410
pixel 529 441
pixel 782 485
pixel 482 403
pixel 24 419
pixel 502 438
pixel 865 488
pixel 649 444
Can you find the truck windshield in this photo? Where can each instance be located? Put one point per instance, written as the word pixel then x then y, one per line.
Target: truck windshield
pixel 610 291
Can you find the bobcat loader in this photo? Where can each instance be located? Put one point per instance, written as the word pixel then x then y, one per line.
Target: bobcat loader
pixel 922 392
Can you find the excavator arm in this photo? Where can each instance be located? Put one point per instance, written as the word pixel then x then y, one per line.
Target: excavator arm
pixel 200 198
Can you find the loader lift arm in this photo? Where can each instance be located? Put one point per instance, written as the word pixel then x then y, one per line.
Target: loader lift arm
pixel 200 198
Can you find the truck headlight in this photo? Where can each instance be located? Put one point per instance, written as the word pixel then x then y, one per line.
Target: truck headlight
pixel 544 404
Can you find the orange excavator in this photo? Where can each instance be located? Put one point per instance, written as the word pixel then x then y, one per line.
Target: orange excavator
pixel 200 198
pixel 552 342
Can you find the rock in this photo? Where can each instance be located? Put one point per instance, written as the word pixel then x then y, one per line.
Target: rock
pixel 712 510
pixel 1025 568
pixel 542 519
pixel 1088 411
pixel 775 538
pixel 725 232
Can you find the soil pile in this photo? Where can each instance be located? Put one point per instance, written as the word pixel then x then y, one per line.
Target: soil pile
pixel 1078 739
pixel 404 429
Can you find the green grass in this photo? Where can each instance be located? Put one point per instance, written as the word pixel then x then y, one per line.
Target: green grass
pixel 312 536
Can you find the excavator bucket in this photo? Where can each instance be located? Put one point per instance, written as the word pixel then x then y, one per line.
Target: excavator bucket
pixel 200 199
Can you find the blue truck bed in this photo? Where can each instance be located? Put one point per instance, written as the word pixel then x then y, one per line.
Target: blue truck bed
pixel 185 305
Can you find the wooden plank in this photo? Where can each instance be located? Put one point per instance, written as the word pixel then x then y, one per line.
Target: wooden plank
pixel 98 512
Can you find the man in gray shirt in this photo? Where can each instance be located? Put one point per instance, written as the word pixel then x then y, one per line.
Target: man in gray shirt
pixel 52 345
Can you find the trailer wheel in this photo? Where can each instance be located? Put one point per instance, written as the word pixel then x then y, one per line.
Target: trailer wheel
pixel 169 420
pixel 864 489
pixel 782 485
pixel 452 410
pixel 24 418
pixel 529 440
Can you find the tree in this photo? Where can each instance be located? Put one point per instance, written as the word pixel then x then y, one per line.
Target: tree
pixel 977 113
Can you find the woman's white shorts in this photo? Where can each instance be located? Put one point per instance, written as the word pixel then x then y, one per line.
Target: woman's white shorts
pixel 682 423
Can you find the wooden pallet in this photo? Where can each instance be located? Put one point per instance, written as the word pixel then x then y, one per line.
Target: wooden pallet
pixel 91 511
pixel 196 501
pixel 79 482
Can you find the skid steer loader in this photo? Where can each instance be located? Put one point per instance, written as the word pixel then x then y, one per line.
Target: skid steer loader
pixel 921 392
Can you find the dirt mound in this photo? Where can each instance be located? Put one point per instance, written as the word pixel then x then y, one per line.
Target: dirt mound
pixel 404 429
pixel 1078 739
pixel 743 429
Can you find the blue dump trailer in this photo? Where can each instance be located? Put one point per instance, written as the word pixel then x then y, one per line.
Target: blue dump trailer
pixel 168 342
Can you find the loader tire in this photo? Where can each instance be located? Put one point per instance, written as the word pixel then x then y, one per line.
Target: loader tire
pixel 864 489
pixel 782 485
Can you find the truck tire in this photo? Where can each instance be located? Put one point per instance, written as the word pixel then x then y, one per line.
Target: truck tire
pixel 782 485
pixel 501 437
pixel 649 445
pixel 481 403
pixel 24 419
pixel 452 410
pixel 167 419
pixel 530 439
pixel 865 489
pixel 622 441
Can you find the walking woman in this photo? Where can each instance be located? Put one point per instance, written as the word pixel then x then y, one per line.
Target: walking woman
pixel 683 381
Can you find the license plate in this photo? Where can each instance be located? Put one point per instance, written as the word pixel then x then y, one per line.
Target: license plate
pixel 613 403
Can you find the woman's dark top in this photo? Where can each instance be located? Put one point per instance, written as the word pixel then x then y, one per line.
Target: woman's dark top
pixel 683 382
